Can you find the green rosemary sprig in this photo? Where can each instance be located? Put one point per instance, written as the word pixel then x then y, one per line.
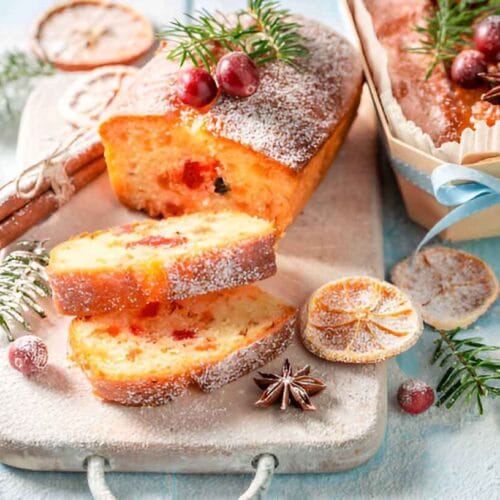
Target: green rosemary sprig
pixel 448 29
pixel 468 374
pixel 263 31
pixel 16 69
pixel 22 282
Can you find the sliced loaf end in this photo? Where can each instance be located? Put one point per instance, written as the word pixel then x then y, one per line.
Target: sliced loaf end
pixel 151 355
pixel 179 257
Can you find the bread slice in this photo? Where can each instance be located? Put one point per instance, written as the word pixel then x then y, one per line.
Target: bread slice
pixel 179 257
pixel 149 356
pixel 263 155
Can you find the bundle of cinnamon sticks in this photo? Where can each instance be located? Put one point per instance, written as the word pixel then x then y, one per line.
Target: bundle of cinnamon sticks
pixel 83 162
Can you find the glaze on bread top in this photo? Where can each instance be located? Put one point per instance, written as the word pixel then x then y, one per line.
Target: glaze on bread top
pixel 438 106
pixel 290 116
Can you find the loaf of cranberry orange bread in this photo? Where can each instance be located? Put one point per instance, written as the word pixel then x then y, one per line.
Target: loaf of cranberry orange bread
pixel 133 264
pixel 264 154
pixel 150 355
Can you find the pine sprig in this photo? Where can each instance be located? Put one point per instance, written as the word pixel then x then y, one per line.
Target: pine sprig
pixel 469 375
pixel 448 29
pixel 279 37
pixel 263 31
pixel 17 69
pixel 198 40
pixel 23 282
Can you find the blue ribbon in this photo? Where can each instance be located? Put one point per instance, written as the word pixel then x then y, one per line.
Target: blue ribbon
pixel 469 190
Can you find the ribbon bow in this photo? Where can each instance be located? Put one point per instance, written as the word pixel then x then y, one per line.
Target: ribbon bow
pixel 469 190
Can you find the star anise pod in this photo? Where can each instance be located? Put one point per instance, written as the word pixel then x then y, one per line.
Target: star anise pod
pixel 289 388
pixel 492 76
pixel 492 96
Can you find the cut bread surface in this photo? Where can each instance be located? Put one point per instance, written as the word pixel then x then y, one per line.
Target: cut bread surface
pixel 152 354
pixel 179 257
pixel 190 170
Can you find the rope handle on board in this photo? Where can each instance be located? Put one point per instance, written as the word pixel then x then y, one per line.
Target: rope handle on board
pixel 264 464
pixel 99 490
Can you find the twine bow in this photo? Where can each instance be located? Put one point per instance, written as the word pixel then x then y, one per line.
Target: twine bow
pixel 51 168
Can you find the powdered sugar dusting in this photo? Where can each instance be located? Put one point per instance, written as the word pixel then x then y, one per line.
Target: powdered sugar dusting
pixel 59 422
pixel 358 320
pixel 228 267
pixel 63 414
pixel 290 116
pixel 244 361
pixel 452 288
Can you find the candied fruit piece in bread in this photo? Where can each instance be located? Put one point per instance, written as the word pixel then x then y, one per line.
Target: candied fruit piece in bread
pixel 179 257
pixel 264 154
pixel 150 355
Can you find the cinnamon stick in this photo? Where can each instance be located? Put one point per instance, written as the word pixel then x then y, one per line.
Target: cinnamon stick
pixel 34 211
pixel 87 149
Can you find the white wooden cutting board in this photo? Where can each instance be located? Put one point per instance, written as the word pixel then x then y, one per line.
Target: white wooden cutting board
pixel 52 421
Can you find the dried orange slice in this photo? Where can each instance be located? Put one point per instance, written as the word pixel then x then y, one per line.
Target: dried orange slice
pixel 86 34
pixel 85 101
pixel 359 320
pixel 453 288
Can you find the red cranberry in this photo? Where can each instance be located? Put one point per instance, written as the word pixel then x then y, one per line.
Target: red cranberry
pixel 237 75
pixel 487 37
pixel 136 329
pixel 196 87
pixel 415 396
pixel 28 354
pixel 150 310
pixel 183 334
pixel 466 68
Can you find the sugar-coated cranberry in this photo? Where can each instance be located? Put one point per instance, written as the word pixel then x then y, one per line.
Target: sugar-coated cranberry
pixel 466 68
pixel 487 37
pixel 196 87
pixel 415 396
pixel 28 354
pixel 237 75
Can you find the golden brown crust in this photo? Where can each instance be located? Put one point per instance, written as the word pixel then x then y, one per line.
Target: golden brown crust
pixel 151 392
pixel 95 292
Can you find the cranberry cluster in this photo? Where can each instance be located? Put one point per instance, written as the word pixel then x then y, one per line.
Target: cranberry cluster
pixel 236 75
pixel 469 64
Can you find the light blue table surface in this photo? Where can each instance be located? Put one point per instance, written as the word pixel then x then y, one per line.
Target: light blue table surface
pixel 439 454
